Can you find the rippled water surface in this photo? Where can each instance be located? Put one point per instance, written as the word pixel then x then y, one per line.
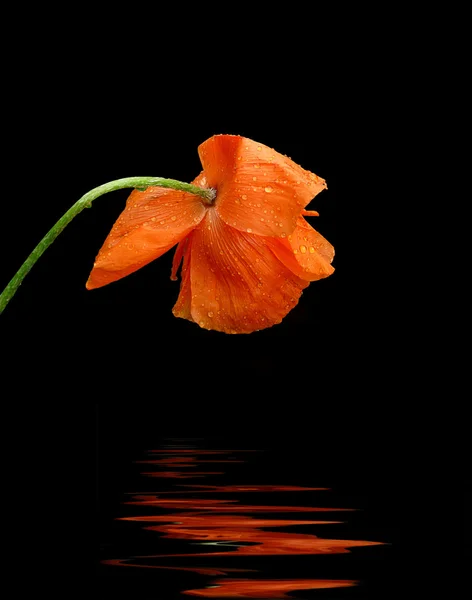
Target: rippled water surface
pixel 186 518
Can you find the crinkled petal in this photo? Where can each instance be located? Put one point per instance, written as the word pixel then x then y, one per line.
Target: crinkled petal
pixel 178 255
pixel 182 307
pixel 152 222
pixel 258 190
pixel 305 252
pixel 237 285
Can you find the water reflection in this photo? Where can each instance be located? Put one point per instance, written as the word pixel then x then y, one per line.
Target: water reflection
pixel 268 588
pixel 216 530
pixel 225 527
pixel 234 507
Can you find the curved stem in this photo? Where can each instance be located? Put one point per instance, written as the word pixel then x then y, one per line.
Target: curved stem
pixel 207 195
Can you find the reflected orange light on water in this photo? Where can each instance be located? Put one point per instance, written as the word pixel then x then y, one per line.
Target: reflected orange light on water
pixel 268 588
pixel 179 475
pixel 235 507
pixel 225 527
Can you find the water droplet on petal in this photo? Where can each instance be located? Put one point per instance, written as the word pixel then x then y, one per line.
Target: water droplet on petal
pixel 259 148
pixel 282 235
pixel 254 178
pixel 210 314
pixel 244 197
pixel 174 218
pixel 268 189
pixel 249 230
pixel 303 249
pixel 312 250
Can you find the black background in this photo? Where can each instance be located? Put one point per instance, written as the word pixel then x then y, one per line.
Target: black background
pixel 342 327
pixel 349 366
pixel 133 104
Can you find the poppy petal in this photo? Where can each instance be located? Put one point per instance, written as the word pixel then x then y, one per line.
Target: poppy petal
pixel 182 307
pixel 152 222
pixel 305 252
pixel 237 285
pixel 258 190
pixel 178 255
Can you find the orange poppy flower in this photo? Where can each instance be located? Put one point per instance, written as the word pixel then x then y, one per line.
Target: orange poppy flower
pixel 246 257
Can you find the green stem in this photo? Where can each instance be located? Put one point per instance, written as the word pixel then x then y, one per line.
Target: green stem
pixel 207 195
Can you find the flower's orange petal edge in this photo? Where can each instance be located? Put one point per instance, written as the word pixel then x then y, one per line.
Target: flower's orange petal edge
pixel 305 252
pixel 152 222
pixel 183 306
pixel 232 281
pixel 258 190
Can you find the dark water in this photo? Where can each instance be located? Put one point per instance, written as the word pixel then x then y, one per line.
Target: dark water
pixel 222 519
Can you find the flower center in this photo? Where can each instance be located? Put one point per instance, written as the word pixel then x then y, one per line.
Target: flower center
pixel 210 196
